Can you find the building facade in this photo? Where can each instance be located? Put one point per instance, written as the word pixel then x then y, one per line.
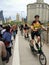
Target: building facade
pixel 1 16
pixel 38 8
pixel 17 17
pixel 8 20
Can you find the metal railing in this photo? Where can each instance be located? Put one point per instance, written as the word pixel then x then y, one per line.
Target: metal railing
pixel 45 36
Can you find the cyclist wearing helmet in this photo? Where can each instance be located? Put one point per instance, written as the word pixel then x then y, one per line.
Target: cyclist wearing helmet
pixel 35 30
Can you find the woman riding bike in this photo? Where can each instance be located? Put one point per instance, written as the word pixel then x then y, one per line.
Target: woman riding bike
pixel 35 30
pixel 21 28
pixel 26 30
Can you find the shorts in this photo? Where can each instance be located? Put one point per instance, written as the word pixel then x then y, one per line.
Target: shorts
pixel 33 34
pixel 26 28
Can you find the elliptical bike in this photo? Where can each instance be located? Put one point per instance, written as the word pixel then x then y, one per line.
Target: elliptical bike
pixel 42 57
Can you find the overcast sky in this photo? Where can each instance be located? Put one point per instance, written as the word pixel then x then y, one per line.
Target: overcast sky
pixel 11 7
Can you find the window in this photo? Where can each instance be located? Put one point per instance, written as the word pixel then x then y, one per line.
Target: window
pixel 47 7
pixel 40 5
pixel 44 6
pixel 37 5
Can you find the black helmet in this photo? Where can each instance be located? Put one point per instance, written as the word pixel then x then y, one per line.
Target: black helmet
pixel 36 16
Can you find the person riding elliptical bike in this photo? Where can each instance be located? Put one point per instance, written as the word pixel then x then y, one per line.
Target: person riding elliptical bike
pixel 26 28
pixel 21 28
pixel 35 30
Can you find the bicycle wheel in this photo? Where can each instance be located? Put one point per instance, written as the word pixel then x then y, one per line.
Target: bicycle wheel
pixel 42 59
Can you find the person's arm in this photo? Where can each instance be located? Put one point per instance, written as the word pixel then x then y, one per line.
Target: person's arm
pixel 44 28
pixel 32 28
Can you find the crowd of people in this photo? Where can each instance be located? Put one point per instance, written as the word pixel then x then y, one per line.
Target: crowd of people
pixel 6 34
pixel 8 31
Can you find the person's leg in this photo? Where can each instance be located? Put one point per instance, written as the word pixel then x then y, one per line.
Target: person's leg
pixel 25 33
pixel 6 48
pixel 22 31
pixel 9 50
pixel 38 40
pixel 38 37
pixel 38 45
pixel 14 37
pixel 32 36
pixel 16 31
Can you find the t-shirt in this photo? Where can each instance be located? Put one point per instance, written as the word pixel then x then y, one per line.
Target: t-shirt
pixel 36 24
pixel 7 37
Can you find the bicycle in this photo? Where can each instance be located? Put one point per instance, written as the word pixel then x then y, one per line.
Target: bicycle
pixel 42 57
